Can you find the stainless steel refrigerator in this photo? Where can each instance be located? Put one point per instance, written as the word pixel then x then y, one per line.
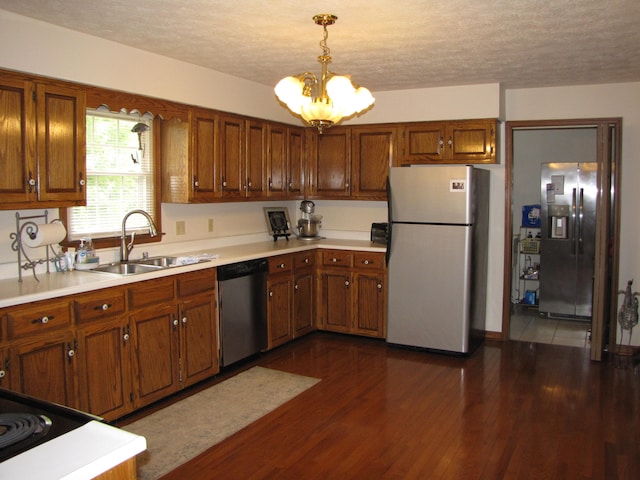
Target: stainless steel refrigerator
pixel 567 248
pixel 437 257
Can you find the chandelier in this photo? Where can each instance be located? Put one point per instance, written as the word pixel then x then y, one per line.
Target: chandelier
pixel 324 101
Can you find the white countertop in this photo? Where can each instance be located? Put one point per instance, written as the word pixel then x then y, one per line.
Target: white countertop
pixel 54 285
pixel 80 454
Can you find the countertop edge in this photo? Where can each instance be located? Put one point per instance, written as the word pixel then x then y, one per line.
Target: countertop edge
pixel 81 454
pixel 54 285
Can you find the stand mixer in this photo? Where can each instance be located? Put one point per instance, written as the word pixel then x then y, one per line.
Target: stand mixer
pixel 308 223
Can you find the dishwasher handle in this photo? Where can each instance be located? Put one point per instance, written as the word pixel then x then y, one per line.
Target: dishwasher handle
pixel 242 269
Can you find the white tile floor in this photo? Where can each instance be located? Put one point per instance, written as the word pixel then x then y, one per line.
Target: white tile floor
pixel 528 326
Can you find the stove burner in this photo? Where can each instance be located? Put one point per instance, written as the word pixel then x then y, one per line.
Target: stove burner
pixel 15 427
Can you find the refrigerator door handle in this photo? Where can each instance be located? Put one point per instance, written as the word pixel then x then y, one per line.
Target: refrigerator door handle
pixel 574 221
pixel 580 220
pixel 389 222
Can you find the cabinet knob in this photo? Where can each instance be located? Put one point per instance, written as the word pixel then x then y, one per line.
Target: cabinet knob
pixel 366 262
pixel 295 287
pixel 125 337
pixel 306 260
pixel 32 182
pixel 175 322
pixel 379 286
pixel 196 184
pixel 2 373
pixel 71 353
pixel 270 293
pixel 334 260
pixel 282 265
pixel 346 282
pixel 43 320
pixel 103 307
pixel 184 320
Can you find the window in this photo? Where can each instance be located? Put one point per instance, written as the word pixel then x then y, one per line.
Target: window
pixel 120 176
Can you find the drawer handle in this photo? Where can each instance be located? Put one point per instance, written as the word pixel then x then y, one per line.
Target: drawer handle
pixel 306 260
pixel 334 260
pixel 104 306
pixel 282 265
pixel 366 262
pixel 43 320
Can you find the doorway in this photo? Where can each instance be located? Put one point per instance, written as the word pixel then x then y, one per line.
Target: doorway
pixel 528 145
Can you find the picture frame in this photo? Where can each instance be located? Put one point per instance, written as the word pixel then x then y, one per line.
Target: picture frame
pixel 278 222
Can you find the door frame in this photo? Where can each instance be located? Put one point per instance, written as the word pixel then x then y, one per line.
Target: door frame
pixel 609 142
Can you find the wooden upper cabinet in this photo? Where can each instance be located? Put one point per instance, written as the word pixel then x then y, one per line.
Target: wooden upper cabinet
pixel 373 151
pixel 277 162
pixel 256 159
pixel 42 152
pixel 285 162
pixel 188 151
pixel 296 157
pixel 61 125
pixel 204 124
pixel 330 166
pixel 231 157
pixel 17 142
pixel 423 143
pixel 464 141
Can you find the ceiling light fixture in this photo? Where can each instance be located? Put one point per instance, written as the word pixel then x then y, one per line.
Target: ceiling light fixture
pixel 325 101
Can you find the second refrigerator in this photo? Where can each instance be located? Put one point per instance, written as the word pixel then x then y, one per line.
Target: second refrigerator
pixel 567 249
pixel 437 257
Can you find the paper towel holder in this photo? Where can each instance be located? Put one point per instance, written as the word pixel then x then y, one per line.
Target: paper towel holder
pixel 30 227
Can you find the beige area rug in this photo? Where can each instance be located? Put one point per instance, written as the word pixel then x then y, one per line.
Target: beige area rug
pixel 185 429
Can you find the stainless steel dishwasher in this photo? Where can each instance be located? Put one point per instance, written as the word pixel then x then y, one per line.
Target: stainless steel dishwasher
pixel 242 289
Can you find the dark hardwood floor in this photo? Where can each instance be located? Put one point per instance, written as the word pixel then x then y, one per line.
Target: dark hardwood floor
pixel 512 410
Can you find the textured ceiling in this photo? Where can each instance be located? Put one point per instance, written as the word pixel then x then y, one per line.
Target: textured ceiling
pixel 383 44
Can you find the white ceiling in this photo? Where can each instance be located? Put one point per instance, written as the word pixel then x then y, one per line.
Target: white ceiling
pixel 383 44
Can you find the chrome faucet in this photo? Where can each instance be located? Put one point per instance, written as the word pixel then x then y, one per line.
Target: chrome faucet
pixel 125 249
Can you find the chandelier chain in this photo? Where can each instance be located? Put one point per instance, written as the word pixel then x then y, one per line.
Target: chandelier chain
pixel 326 51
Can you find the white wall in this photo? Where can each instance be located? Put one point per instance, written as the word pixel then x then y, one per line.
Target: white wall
pixel 44 49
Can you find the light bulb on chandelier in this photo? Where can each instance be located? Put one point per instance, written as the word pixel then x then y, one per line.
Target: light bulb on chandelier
pixel 328 100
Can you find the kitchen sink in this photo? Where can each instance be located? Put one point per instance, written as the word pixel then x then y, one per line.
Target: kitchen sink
pixel 157 261
pixel 130 268
pixel 144 265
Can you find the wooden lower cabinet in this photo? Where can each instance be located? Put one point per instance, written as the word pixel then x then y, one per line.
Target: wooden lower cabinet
pixel 198 339
pixel 103 353
pixel 113 350
pixel 155 354
pixel 176 343
pixel 46 368
pixel 353 293
pixel 105 368
pixel 290 297
pixel 304 305
pixel 42 351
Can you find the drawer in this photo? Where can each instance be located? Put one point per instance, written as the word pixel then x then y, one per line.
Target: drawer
pixel 304 259
pixel 39 317
pixel 99 305
pixel 197 282
pixel 369 260
pixel 151 292
pixel 280 264
pixel 337 258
